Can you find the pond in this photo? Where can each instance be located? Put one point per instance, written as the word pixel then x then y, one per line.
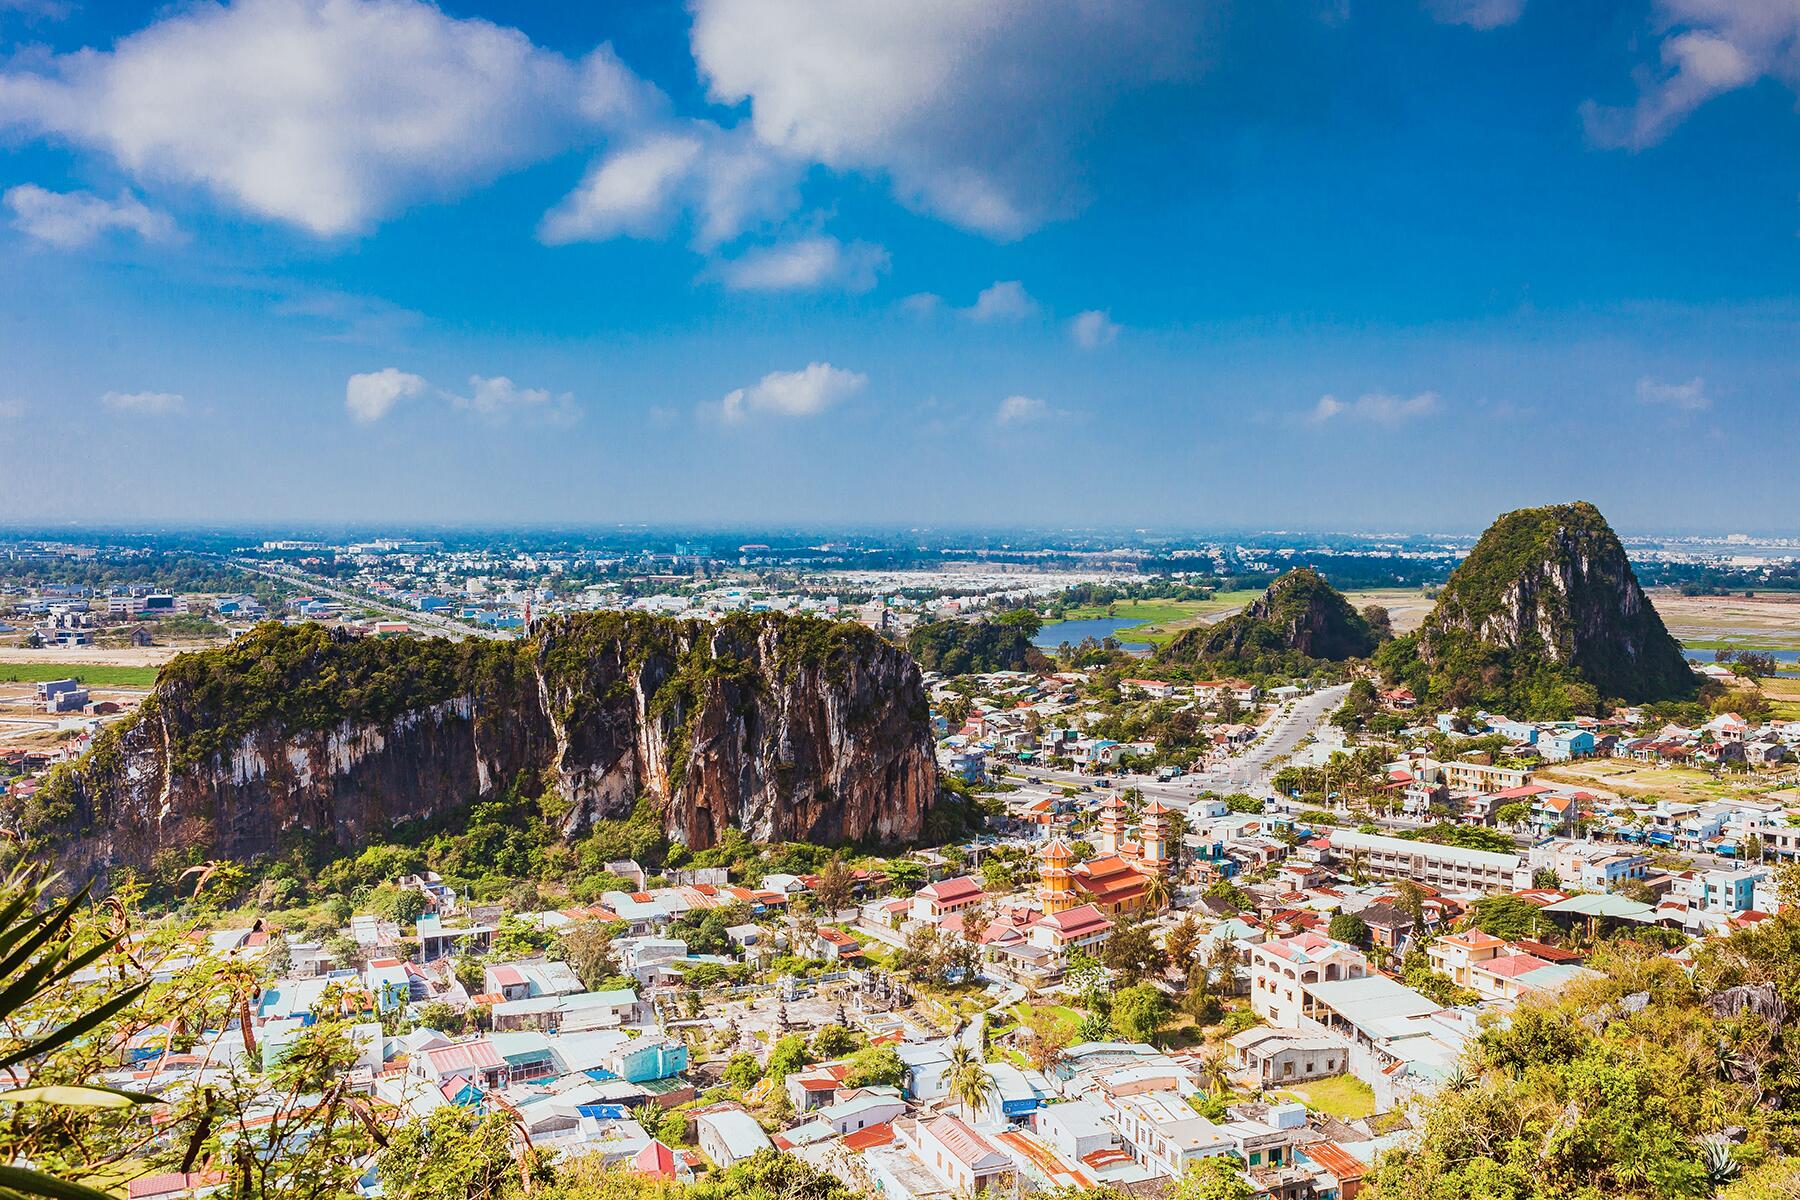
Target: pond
pixel 1056 633
pixel 1706 656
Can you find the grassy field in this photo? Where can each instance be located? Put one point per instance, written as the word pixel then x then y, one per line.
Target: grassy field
pixel 92 674
pixel 1783 692
pixel 1343 1096
pixel 1638 779
pixel 1160 620
pixel 1765 621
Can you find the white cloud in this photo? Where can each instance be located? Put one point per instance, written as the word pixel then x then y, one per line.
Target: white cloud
pixel 151 404
pixel 326 114
pixel 1377 408
pixel 372 395
pixel 628 192
pixel 1004 301
pixel 497 398
pixel 728 181
pixel 975 111
pixel 1093 329
pixel 1687 397
pixel 72 219
pixel 803 393
pixel 805 264
pixel 1476 14
pixel 1708 47
pixel 922 304
pixel 345 316
pixel 1018 410
pixel 11 410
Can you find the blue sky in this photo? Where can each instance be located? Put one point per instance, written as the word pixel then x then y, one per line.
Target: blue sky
pixel 1171 263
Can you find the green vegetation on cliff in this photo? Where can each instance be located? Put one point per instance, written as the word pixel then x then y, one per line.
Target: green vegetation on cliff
pixel 1298 623
pixel 977 647
pixel 1543 620
pixel 760 718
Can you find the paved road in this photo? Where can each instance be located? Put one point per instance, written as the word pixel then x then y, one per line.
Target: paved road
pixel 1249 771
pixel 325 587
pixel 1300 719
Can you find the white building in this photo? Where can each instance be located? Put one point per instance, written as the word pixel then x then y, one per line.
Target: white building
pixel 1450 868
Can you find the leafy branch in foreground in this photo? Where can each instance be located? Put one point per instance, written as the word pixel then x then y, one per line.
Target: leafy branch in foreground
pixel 47 956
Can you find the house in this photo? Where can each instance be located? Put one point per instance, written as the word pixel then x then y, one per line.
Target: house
pixel 1076 1128
pixel 1564 744
pixel 1281 969
pixel 1389 924
pixel 863 1108
pixel 1448 867
pixel 1765 753
pixel 475 1061
pixel 834 945
pixel 1272 1056
pixel 956 1154
pixel 1083 927
pixel 936 901
pixel 657 1161
pixel 726 1134
pixel 527 979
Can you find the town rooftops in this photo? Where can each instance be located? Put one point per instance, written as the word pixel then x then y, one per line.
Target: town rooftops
pixel 969 1147
pixel 479 1055
pixel 1079 921
pixel 949 891
pixel 1511 966
pixel 869 1138
pixel 1307 947
pixel 1474 939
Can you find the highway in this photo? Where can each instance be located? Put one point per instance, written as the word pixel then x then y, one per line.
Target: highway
pixel 1246 772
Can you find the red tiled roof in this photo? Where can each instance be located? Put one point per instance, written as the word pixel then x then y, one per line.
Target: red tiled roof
pixel 946 890
pixel 868 1139
pixel 171 1183
pixel 479 1054
pixel 1077 922
pixel 655 1160
pixel 1511 966
pixel 968 1146
pixel 1335 1159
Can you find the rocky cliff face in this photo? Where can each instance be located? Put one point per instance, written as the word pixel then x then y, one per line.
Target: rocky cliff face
pixel 1299 616
pixel 789 729
pixel 1544 616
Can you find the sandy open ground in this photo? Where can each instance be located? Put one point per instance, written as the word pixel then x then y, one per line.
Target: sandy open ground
pixel 100 656
pixel 1768 620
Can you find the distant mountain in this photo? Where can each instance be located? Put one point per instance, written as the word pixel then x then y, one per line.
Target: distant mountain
pixel 1300 618
pixel 1544 619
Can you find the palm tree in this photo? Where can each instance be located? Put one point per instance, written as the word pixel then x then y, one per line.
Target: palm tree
pixel 1212 1070
pixel 1156 893
pixel 970 1085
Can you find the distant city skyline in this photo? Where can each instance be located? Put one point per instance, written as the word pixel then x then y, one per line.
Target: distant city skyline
pixel 1201 265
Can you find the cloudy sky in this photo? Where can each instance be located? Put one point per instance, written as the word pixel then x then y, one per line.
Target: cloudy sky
pixel 1180 263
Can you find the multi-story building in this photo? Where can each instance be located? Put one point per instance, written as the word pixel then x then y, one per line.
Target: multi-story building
pixel 1590 866
pixel 1280 971
pixel 1451 868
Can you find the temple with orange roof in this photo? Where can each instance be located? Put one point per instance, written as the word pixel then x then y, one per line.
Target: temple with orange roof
pixel 1117 880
